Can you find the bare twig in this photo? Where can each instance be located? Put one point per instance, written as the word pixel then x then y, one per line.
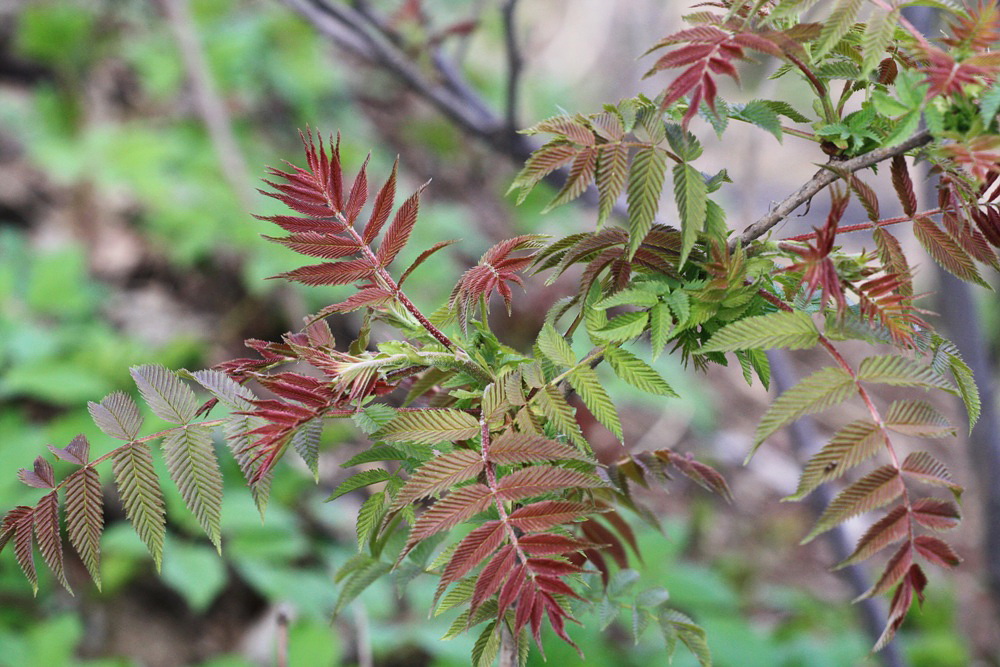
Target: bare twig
pixel 820 180
pixel 282 639
pixel 359 34
pixel 211 106
pixel 514 62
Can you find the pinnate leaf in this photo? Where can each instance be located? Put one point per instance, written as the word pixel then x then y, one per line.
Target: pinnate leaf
pixel 544 514
pixel 895 570
pixel 471 551
pixel 837 25
pixel 438 474
pixel 191 462
pixel 457 506
pixel 382 206
pixel 117 415
pixel 945 251
pixel 85 518
pixel 537 480
pixel 924 467
pixel 77 451
pixel 20 528
pixel 889 529
pixel 41 476
pixel 139 490
pixel 229 392
pixel 612 174
pixel 645 183
pixel 936 514
pixel 359 481
pixel 399 231
pixel 823 389
pixel 622 327
pixel 901 372
pixel 46 519
pixel 937 551
pixel 561 415
pixel 876 489
pixel 165 393
pixel 554 347
pixel 511 448
pixel 853 444
pixel 917 418
pixel 792 330
pixel 305 442
pixel 586 383
pixel 691 196
pixel 429 427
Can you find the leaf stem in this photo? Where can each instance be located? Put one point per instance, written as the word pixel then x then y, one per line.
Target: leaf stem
pixel 885 222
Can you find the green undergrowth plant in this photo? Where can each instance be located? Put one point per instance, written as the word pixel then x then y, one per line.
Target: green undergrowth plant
pixel 485 479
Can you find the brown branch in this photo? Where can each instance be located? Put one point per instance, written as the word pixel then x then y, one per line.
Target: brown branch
pixel 822 179
pixel 360 34
pixel 514 62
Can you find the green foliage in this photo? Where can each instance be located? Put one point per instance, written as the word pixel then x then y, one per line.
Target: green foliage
pixel 490 485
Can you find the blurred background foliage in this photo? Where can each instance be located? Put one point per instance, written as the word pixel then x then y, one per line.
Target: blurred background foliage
pixel 125 238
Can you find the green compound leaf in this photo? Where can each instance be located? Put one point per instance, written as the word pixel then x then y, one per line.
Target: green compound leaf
pixel 899 371
pixel 793 330
pixel 878 36
pixel 691 195
pixel 358 580
pixel 139 490
pixel 370 515
pixel 586 383
pixel 661 324
pixel 612 174
pixel 305 441
pixel 676 626
pixel 555 348
pixel 168 397
pixel 637 372
pixel 190 457
pixel 645 183
pixel 836 26
pixel 552 404
pixel 823 389
pixel 623 327
pixel 429 427
pixel 359 481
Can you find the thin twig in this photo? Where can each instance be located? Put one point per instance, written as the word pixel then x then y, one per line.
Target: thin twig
pixel 514 62
pixel 211 107
pixel 820 180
